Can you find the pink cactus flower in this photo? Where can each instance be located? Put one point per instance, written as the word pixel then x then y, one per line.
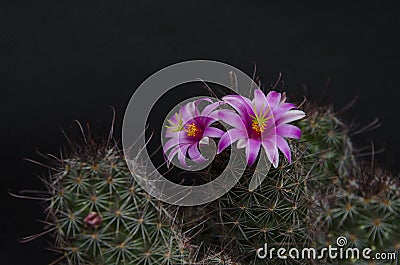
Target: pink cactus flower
pixel 188 128
pixel 263 121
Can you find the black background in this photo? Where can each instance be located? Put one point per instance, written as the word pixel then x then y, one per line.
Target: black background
pixel 67 60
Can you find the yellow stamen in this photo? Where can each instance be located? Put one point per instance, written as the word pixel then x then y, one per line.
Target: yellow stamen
pixel 192 130
pixel 260 120
pixel 258 128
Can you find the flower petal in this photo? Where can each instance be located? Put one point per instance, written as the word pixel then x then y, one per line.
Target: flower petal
pixel 176 138
pixel 270 149
pixel 198 101
pixel 289 131
pixel 230 137
pixel 213 132
pixel 211 107
pixel 282 109
pixel 195 154
pixel 188 112
pixel 273 99
pixel 282 144
pixel 203 121
pixel 172 154
pixel 230 117
pixel 292 115
pixel 182 150
pixel 183 138
pixel 252 149
pixel 241 104
pixel 260 101
pixel 275 158
pixel 169 144
pixel 170 134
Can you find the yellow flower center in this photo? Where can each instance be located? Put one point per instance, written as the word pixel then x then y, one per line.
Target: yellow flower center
pixel 259 120
pixel 258 127
pixel 192 130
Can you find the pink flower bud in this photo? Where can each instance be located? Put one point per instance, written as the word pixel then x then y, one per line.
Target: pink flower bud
pixel 93 219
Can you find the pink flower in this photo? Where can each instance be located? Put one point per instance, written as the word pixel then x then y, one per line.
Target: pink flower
pixel 262 121
pixel 188 128
pixel 93 219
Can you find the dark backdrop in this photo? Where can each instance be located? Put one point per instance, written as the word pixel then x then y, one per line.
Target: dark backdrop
pixel 61 61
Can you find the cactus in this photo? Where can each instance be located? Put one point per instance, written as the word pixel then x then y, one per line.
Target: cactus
pixel 284 211
pixel 325 193
pixel 363 205
pixel 366 211
pixel 100 216
pixel 327 142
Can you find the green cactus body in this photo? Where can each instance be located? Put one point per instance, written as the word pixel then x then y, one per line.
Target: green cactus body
pixel 102 217
pixel 285 211
pixel 99 215
pixel 367 213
